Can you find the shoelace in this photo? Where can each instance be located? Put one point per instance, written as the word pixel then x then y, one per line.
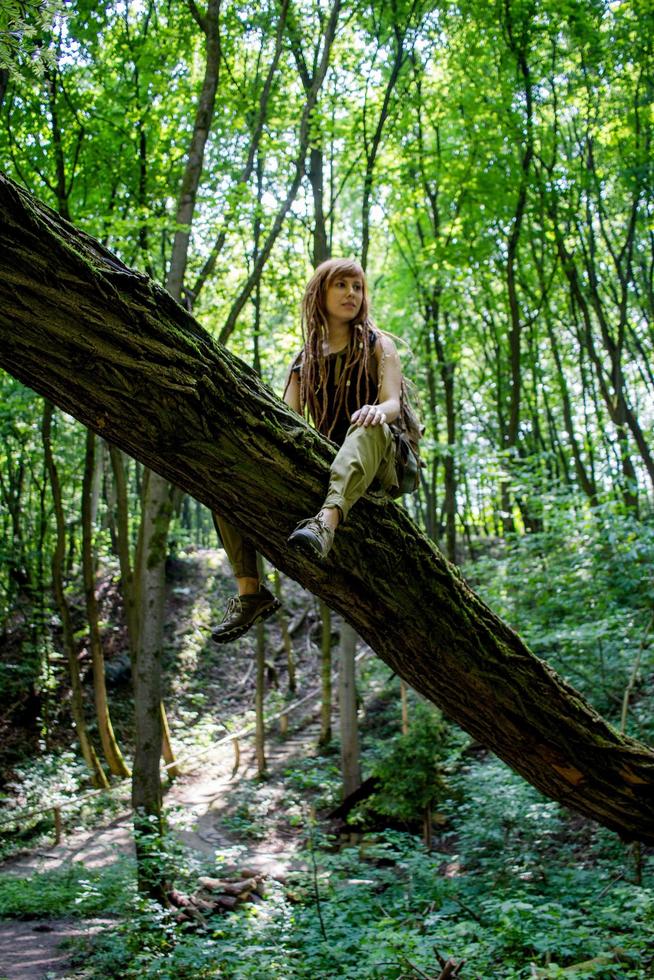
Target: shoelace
pixel 232 606
pixel 314 523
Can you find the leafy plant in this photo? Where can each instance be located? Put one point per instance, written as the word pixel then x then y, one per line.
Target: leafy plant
pixel 71 890
pixel 410 771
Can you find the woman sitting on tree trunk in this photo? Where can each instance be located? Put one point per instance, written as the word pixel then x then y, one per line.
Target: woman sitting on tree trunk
pixel 349 379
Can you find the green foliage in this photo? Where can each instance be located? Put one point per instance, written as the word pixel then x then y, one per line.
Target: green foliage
pixel 37 786
pixel 22 24
pixel 387 901
pixel 46 781
pixel 248 816
pixel 579 592
pixel 527 127
pixel 70 890
pixel 317 777
pixel 411 769
pixel 141 945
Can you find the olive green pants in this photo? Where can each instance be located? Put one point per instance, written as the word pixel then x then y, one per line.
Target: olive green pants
pixel 366 454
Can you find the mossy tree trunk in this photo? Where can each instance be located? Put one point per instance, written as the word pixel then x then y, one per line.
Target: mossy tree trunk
pixel 114 350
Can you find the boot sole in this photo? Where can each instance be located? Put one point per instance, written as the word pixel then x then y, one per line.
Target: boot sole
pixel 237 631
pixel 306 545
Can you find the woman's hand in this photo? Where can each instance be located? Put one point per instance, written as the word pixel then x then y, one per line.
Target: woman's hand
pixel 368 415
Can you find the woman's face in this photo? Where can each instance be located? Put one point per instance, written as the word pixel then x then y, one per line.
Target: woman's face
pixel 343 299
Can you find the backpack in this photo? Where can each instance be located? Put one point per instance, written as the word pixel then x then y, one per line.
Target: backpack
pixel 407 432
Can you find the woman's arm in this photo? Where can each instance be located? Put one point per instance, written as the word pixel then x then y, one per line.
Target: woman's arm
pixel 292 389
pixel 389 372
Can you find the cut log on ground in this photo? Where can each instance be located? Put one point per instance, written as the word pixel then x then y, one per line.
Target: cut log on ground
pixel 216 895
pixel 113 349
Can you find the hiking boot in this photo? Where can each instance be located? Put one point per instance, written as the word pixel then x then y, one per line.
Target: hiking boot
pixel 243 612
pixel 313 536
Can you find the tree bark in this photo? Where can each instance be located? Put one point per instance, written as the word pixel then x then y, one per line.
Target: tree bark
pixel 123 543
pixel 325 676
pixel 347 710
pixel 259 702
pixel 110 747
pixel 146 681
pixel 113 349
pixel 286 638
pixel 151 725
pixel 320 249
pixel 77 695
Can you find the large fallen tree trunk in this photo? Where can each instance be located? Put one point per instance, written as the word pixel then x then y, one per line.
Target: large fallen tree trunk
pixel 114 350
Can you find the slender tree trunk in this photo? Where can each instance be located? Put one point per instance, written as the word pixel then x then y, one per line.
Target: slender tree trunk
pixel 156 505
pixel 81 328
pixel 518 40
pixel 129 596
pixel 77 699
pixel 146 679
pixel 321 250
pixel 586 483
pixel 404 703
pixel 195 160
pixel 259 700
pixel 348 715
pixel 253 151
pixel 427 828
pixel 446 366
pixel 372 142
pixel 124 549
pixel 4 82
pixel 430 482
pixel 296 179
pixel 166 744
pixel 110 748
pixel 614 398
pixel 325 675
pixel 286 637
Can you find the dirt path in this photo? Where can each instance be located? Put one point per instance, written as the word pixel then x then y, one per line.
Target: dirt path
pixel 32 950
pixel 201 798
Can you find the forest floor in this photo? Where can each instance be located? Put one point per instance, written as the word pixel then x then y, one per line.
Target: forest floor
pixel 512 883
pixel 197 801
pixel 32 950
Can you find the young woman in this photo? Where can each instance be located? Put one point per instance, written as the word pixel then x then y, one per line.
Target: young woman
pixel 348 379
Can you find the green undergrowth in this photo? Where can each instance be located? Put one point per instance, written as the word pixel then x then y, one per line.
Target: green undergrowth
pixel 580 595
pixel 73 890
pixel 512 880
pixel 55 779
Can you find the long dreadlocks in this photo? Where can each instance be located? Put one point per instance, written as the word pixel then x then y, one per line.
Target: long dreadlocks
pixel 313 364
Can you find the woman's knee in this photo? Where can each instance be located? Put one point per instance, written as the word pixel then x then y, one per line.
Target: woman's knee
pixel 370 433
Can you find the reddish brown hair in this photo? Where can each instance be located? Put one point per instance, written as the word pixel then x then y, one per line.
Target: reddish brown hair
pixel 313 364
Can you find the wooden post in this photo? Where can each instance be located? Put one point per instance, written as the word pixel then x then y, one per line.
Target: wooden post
pixel 58 824
pixel 237 756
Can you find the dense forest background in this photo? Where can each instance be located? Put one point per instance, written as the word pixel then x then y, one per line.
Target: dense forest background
pixel 491 166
